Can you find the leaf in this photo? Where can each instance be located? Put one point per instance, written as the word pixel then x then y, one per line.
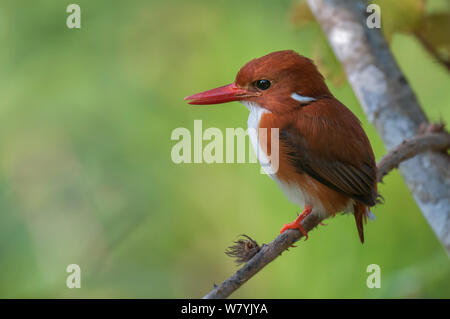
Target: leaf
pixel 404 16
pixel 301 15
pixel 435 32
pixel 327 62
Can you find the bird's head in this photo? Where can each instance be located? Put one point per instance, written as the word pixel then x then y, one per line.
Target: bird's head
pixel 278 82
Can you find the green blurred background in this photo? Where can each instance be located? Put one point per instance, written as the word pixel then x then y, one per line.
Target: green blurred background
pixel 86 175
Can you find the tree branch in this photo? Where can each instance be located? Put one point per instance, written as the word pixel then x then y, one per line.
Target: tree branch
pixel 410 148
pixel 267 253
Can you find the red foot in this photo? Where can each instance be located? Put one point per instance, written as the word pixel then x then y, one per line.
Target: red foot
pixel 297 224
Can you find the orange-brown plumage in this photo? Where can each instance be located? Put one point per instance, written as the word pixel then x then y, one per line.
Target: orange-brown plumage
pixel 324 150
pixel 325 158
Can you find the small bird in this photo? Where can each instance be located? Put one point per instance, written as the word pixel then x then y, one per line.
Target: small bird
pixel 326 163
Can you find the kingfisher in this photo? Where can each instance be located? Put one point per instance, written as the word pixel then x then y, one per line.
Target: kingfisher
pixel 325 163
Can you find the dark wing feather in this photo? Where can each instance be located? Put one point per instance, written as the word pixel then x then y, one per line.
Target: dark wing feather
pixel 352 178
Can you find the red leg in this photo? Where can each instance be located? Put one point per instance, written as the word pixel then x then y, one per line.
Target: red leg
pixel 297 224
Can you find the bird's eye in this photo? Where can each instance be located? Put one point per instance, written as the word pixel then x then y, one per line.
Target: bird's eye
pixel 262 84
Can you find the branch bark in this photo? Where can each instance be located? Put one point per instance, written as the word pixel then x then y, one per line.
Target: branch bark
pixel 388 102
pixel 267 253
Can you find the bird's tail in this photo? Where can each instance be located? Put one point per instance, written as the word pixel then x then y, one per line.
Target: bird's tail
pixel 360 211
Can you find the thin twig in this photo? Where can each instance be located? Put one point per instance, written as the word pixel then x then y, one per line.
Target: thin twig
pixel 267 253
pixel 411 147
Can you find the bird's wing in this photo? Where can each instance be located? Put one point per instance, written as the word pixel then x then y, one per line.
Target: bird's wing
pixel 349 169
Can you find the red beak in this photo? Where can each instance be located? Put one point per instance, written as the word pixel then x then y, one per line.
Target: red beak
pixel 223 94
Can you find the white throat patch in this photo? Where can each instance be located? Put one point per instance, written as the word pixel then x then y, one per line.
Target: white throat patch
pixel 254 118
